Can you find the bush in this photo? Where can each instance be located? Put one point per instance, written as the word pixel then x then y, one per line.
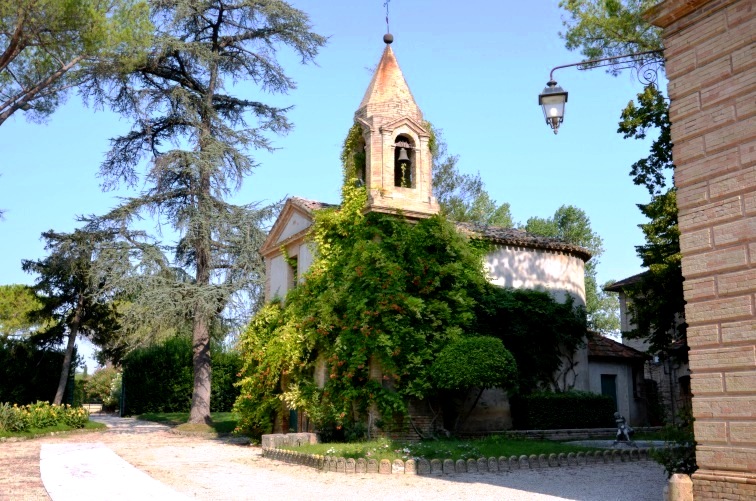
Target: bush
pixel 43 415
pixel 159 378
pixel 75 417
pixel 553 411
pixel 104 387
pixel 13 418
pixel 40 415
pixel 679 452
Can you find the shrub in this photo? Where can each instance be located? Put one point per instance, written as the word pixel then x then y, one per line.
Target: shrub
pixel 679 453
pixel 551 411
pixel 44 415
pixel 159 378
pixel 75 417
pixel 13 418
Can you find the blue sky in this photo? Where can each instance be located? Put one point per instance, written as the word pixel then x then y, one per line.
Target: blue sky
pixel 475 68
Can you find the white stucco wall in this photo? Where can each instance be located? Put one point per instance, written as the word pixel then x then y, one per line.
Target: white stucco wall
pixel 556 273
pixel 279 277
pixel 296 223
pixel 626 402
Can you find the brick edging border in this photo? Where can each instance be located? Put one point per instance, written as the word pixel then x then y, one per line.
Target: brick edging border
pixel 502 464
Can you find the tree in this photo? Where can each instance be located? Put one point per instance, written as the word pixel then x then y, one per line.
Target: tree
pixel 573 226
pixel 48 47
pixel 463 197
pixel 478 362
pixel 611 28
pixel 196 135
pixel 608 28
pixel 66 288
pixel 18 306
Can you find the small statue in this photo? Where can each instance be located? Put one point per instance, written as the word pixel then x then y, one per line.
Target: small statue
pixel 624 431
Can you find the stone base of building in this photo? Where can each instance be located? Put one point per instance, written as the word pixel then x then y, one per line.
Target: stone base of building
pixel 718 485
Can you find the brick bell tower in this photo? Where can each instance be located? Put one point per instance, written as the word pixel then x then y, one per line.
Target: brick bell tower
pixel 398 166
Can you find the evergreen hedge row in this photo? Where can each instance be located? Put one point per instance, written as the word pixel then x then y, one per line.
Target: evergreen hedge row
pixel 29 373
pixel 159 378
pixel 554 411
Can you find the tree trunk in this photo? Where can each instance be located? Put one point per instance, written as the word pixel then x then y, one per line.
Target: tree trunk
pixel 200 411
pixel 73 330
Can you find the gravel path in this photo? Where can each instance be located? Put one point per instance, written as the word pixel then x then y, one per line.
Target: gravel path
pixel 217 470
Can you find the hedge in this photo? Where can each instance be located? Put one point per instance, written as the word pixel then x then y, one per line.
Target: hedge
pixel 29 373
pixel 553 411
pixel 159 378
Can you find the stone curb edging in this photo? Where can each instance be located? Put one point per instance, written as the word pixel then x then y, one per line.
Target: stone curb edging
pixel 502 464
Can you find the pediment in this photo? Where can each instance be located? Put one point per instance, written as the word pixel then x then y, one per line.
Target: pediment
pixel 408 122
pixel 291 223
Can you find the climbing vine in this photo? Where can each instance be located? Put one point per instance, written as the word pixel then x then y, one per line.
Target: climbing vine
pixel 382 299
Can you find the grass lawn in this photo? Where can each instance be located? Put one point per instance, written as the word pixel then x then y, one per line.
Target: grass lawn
pixel 223 422
pixel 494 446
pixel 34 432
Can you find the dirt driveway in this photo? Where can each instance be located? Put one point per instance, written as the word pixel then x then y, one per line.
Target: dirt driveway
pixel 217 470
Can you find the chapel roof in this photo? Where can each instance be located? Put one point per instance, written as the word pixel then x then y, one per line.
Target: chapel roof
pixel 520 238
pixel 494 234
pixel 388 92
pixel 619 285
pixel 603 347
pixel 311 205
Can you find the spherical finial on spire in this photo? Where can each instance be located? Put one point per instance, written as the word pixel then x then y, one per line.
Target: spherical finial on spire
pixel 388 38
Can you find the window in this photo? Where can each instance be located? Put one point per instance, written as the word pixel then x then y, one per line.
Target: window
pixel 293 272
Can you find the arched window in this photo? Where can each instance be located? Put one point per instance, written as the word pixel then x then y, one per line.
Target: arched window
pixel 404 162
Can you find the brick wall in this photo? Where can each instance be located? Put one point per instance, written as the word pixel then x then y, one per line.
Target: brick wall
pixel 711 65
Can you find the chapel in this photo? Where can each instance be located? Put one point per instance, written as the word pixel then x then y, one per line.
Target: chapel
pixel 397 174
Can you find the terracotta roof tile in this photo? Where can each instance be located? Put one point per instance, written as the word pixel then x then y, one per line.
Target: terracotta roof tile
pixel 311 205
pixel 603 347
pixel 520 238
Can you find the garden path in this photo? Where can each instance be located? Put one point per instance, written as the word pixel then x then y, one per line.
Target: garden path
pixel 218 470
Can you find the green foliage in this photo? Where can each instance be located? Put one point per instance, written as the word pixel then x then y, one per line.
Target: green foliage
pixel 607 28
pixel 104 386
pixel 49 46
pixel 462 197
pixel 13 418
pixel 518 317
pixel 39 416
pixel 28 373
pixel 70 294
pixel 679 452
pixel 651 112
pixel 474 362
pixel 19 311
pixel 158 378
pixel 492 446
pixel 391 294
pixel 657 301
pixel 197 137
pixel 572 409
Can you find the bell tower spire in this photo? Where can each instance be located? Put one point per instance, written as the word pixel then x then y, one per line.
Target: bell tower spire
pixel 398 170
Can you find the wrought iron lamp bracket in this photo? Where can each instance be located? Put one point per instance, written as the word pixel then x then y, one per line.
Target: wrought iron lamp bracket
pixel 646 68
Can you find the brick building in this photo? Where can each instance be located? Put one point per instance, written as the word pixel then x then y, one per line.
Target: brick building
pixel 711 67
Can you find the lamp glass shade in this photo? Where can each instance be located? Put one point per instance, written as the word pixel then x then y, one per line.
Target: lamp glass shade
pixel 552 100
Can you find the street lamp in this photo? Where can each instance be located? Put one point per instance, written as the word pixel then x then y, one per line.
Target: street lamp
pixel 553 97
pixel 552 100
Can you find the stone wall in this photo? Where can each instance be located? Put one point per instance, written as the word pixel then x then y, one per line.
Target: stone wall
pixel 711 67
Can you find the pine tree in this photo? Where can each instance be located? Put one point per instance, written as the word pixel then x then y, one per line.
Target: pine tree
pixel 196 135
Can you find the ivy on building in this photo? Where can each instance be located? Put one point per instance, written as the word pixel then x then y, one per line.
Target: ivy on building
pixel 389 293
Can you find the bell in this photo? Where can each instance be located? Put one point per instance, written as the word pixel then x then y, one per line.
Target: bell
pixel 403 155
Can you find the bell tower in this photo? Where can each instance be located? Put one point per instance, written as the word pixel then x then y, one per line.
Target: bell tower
pixel 398 164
